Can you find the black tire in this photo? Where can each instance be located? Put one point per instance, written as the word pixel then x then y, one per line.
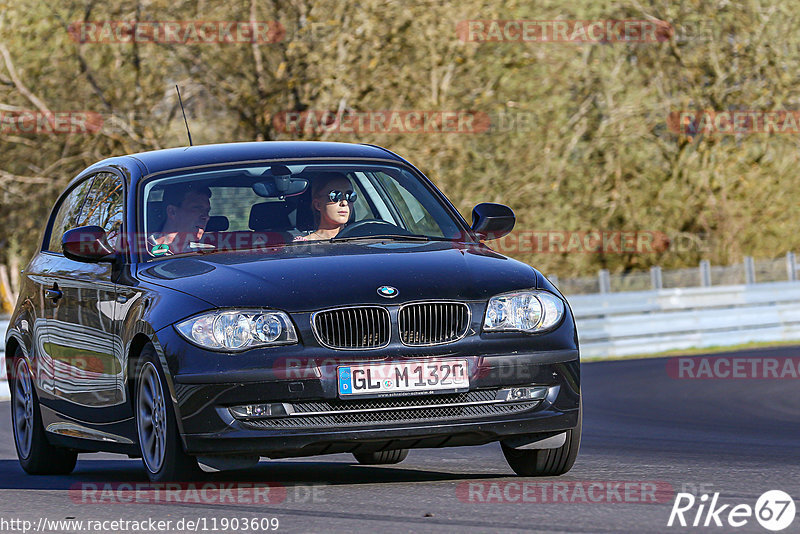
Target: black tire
pixel 170 463
pixel 546 462
pixel 36 455
pixel 381 458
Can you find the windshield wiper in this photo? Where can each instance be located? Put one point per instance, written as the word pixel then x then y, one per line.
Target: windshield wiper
pixel 383 237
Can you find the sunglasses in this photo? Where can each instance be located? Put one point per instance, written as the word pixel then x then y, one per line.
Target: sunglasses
pixel 338 196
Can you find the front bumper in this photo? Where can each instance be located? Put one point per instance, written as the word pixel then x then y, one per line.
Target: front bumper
pixel 359 440
pixel 209 428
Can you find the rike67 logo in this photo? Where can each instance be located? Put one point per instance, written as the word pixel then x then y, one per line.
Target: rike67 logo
pixel 774 510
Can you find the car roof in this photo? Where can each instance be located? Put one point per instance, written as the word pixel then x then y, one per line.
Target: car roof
pixel 199 155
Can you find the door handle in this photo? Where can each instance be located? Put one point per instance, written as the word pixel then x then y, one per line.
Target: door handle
pixel 54 293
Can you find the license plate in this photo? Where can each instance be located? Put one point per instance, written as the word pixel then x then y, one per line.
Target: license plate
pixel 403 378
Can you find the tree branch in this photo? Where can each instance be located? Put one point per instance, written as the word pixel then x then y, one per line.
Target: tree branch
pixel 8 177
pixel 24 91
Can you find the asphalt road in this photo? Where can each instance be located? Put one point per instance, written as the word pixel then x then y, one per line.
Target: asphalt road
pixel 739 438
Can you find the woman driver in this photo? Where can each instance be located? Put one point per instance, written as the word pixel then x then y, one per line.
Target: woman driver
pixel 331 199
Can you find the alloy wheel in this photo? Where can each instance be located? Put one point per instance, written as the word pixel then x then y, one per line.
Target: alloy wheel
pixel 23 408
pixel 151 418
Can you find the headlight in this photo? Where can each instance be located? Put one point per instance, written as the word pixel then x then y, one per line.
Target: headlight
pixel 234 330
pixel 524 311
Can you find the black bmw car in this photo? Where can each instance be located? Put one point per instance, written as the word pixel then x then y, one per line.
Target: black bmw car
pixel 216 304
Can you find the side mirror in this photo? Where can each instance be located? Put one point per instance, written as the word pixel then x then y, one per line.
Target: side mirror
pixel 87 244
pixel 492 221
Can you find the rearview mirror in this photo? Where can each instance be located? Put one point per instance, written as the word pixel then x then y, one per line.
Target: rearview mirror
pixel 87 244
pixel 281 186
pixel 279 182
pixel 492 221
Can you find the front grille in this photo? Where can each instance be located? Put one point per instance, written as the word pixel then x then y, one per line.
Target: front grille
pixel 433 408
pixel 432 323
pixel 363 327
pixel 400 403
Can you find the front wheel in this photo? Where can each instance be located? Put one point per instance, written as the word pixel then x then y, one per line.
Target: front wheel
pixel 36 455
pixel 546 462
pixel 160 443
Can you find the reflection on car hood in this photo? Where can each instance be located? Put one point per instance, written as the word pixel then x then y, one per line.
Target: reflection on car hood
pixel 315 276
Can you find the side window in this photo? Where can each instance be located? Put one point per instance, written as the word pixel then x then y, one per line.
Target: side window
pixel 68 213
pixel 370 204
pixel 103 206
pixel 416 217
pixel 362 208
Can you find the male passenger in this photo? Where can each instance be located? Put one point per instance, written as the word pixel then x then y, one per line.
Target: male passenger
pixel 186 209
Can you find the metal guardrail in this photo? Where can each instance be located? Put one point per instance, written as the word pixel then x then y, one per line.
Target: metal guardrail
pixel 750 271
pixel 642 322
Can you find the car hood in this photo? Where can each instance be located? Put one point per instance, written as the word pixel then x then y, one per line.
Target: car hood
pixel 310 277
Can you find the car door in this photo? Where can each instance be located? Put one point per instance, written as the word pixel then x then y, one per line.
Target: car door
pixel 41 362
pixel 65 217
pixel 82 331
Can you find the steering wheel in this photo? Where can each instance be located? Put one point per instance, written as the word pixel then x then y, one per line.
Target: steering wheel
pixel 369 227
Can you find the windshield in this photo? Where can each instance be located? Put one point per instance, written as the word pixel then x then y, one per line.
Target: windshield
pixel 254 206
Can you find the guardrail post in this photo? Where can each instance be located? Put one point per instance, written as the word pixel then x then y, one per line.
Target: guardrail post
pixel 705 273
pixel 749 270
pixel 655 277
pixel 604 280
pixel 791 267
